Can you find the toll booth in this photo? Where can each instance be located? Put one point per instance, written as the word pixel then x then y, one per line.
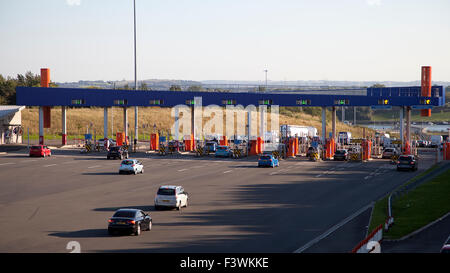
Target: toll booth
pixel 189 143
pixel 446 150
pixel 120 139
pixel 224 141
pixel 366 149
pixel 154 142
pixel 254 148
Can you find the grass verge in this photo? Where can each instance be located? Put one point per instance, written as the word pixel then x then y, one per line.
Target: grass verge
pixel 416 209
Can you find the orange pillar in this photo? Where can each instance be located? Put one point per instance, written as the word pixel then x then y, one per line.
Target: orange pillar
pixel 154 141
pixel 224 141
pixel 259 144
pixel 426 88
pixel 291 149
pixel 253 147
pixel 295 146
pixel 120 138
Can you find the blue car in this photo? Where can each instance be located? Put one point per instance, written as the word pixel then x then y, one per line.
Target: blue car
pixel 223 151
pixel 268 161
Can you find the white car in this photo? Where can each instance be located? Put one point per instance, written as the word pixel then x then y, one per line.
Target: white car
pixel 131 166
pixel 171 196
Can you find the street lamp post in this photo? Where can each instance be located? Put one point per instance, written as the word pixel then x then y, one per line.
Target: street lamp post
pixel 265 70
pixel 135 78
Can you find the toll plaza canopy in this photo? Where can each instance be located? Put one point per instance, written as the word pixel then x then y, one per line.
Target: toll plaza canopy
pixel 76 97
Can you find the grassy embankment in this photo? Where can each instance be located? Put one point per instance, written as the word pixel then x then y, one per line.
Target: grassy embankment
pixel 416 209
pixel 79 119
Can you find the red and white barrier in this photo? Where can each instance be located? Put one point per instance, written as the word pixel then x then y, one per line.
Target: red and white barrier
pixel 369 244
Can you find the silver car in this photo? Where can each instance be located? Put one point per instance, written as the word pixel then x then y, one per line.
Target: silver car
pixel 131 166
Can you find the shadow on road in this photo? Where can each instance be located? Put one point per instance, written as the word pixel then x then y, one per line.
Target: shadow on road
pixel 86 233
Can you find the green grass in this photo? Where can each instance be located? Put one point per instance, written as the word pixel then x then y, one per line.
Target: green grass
pixel 421 206
pixel 380 210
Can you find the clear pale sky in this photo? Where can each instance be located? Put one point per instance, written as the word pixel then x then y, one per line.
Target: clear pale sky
pixel 227 39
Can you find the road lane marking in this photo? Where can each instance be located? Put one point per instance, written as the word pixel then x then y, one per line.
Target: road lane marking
pixel 367 177
pixel 6 163
pixel 96 166
pixel 49 165
pixel 227 171
pixel 182 170
pixel 333 229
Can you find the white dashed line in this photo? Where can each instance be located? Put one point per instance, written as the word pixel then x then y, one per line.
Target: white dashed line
pixel 227 171
pixel 6 163
pixel 182 170
pixel 96 166
pixel 49 165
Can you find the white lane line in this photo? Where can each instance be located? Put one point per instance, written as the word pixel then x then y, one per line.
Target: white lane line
pixel 49 165
pixel 68 162
pixel 7 163
pixel 367 177
pixel 319 175
pixel 182 170
pixel 96 166
pixel 272 173
pixel 227 171
pixel 333 229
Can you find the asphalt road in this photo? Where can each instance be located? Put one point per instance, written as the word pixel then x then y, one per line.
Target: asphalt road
pixel 234 206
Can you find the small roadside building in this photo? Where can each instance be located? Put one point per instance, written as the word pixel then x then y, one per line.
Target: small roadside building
pixel 11 130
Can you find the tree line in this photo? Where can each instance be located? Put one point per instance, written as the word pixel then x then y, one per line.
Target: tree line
pixel 8 86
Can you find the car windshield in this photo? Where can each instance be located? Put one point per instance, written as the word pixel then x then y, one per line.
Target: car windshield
pixel 114 149
pixel 35 147
pixel 165 191
pixel 127 162
pixel 265 157
pixel 125 213
pixel 340 152
pixel 405 158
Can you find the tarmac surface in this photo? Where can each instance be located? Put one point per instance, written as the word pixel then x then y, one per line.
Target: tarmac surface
pixel 234 206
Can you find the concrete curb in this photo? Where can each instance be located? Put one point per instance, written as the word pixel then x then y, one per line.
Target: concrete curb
pixel 419 230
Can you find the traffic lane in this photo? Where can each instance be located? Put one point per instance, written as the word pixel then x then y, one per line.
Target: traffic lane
pixel 215 231
pixel 50 176
pixel 83 205
pixel 255 213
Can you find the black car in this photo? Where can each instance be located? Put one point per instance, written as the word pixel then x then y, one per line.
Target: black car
pixel 341 155
pixel 117 152
pixel 408 162
pixel 131 221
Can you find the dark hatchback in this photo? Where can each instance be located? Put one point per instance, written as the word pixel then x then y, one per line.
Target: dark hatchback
pixel 408 162
pixel 130 221
pixel 117 152
pixel 341 155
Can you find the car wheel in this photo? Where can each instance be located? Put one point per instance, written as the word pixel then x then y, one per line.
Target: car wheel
pixel 107 157
pixel 149 226
pixel 142 171
pixel 135 172
pixel 138 230
pixel 186 204
pixel 179 206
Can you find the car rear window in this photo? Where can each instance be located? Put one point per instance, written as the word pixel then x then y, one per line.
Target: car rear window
pixel 35 147
pixel 265 157
pixel 340 152
pixel 125 213
pixel 127 162
pixel 405 158
pixel 221 148
pixel 163 191
pixel 114 149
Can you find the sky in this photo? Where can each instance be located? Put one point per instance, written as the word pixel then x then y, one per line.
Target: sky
pixel 346 40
